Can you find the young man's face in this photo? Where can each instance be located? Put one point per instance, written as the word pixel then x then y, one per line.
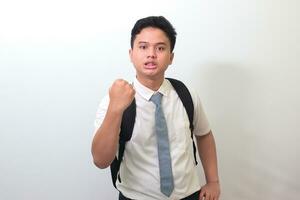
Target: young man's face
pixel 151 54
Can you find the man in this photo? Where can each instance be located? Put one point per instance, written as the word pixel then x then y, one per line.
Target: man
pixel 152 43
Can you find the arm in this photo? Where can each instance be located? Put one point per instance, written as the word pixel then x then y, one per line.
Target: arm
pixel 207 152
pixel 105 142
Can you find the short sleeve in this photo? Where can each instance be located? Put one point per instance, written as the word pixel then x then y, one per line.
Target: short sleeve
pixel 101 112
pixel 201 124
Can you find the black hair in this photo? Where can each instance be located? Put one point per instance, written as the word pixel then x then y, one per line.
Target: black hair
pixel 155 22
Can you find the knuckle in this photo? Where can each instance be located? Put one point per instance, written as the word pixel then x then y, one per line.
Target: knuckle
pixel 120 81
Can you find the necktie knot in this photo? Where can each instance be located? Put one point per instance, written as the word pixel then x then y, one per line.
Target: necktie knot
pixel 156 98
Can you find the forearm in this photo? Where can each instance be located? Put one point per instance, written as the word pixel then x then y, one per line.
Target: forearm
pixel 105 142
pixel 208 155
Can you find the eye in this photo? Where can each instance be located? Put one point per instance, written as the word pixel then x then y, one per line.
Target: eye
pixel 142 47
pixel 161 48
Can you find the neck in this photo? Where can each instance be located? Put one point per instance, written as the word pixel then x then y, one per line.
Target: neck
pixel 153 84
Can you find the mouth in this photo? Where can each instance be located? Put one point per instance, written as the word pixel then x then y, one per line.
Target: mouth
pixel 150 65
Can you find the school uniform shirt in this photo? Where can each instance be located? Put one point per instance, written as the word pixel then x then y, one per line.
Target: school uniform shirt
pixel 139 170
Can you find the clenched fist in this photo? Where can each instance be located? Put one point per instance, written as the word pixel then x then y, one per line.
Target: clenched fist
pixel 121 94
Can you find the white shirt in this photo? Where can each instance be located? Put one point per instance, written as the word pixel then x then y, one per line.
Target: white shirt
pixel 139 169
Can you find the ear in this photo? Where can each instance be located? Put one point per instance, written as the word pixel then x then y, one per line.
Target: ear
pixel 171 58
pixel 130 54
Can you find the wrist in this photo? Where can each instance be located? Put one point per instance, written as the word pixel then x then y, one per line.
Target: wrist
pixel 213 181
pixel 115 110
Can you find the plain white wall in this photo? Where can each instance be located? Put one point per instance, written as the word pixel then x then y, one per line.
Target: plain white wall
pixel 58 58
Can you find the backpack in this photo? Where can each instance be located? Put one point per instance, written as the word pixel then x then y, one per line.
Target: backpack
pixel 128 120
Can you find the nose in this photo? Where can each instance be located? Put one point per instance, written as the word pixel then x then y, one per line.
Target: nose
pixel 151 53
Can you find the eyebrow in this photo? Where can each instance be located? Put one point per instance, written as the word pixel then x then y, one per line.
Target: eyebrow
pixel 159 43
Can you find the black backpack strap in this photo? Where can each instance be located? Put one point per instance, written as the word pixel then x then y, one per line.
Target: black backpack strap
pixel 127 124
pixel 187 101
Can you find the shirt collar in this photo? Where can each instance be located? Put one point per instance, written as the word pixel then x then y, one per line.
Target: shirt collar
pixel 146 93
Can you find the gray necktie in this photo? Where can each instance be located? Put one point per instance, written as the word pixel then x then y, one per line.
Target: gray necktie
pixel 164 158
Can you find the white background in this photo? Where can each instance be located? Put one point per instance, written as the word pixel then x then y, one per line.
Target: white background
pixel 58 58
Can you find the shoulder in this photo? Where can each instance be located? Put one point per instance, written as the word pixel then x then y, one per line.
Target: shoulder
pixel 101 111
pixel 102 106
pixel 105 100
pixel 180 85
